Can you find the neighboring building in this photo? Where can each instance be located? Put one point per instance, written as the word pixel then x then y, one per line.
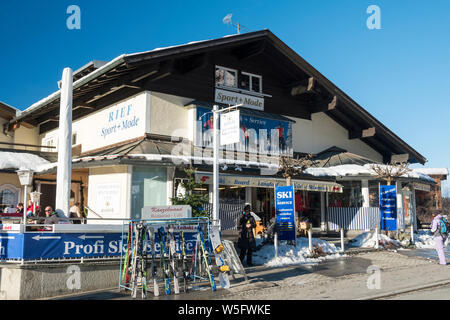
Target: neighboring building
pixel 139 119
pixel 429 197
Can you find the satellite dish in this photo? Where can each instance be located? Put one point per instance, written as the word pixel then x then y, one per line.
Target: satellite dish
pixel 227 18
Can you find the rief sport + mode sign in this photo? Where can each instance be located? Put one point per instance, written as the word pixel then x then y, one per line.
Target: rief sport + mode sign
pixel 285 212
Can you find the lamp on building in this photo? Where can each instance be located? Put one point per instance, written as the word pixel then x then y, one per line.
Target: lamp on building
pixel 25 178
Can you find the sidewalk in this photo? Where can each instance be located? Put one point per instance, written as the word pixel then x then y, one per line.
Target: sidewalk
pixel 346 278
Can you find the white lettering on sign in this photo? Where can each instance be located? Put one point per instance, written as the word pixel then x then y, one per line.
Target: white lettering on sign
pixel 284 195
pixel 229 97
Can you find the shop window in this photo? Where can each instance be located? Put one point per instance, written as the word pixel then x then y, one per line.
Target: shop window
pixel 148 188
pixel 374 194
pixel 350 197
pixel 226 77
pixel 232 195
pixel 8 197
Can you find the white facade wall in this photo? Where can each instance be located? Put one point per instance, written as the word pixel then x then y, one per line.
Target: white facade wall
pixel 169 116
pixel 322 132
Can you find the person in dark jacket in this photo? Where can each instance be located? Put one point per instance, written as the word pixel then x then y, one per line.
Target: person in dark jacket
pixel 246 242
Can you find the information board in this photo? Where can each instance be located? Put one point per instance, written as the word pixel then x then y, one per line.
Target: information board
pixel 388 207
pixel 285 212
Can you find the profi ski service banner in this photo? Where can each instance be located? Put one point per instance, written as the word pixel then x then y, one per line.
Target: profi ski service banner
pixel 285 212
pixel 42 245
pixel 388 207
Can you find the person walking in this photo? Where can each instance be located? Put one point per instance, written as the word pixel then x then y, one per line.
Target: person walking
pixel 246 242
pixel 439 238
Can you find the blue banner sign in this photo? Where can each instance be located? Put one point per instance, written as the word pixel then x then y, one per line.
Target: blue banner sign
pixel 41 245
pixel 388 208
pixel 285 212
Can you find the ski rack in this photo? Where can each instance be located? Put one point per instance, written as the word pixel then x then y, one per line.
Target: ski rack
pixel 187 225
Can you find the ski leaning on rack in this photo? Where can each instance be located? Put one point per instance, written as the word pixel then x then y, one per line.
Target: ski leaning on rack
pixel 172 257
pixel 126 265
pixel 151 237
pixel 217 247
pixel 201 238
pixel 185 265
pixel 143 269
pixel 164 268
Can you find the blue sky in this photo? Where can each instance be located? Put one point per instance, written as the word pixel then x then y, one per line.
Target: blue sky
pixel 400 74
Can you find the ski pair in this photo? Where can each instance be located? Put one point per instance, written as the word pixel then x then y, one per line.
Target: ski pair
pixel 170 266
pixel 139 260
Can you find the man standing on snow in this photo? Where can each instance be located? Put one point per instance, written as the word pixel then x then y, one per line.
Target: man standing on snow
pixel 439 238
pixel 246 242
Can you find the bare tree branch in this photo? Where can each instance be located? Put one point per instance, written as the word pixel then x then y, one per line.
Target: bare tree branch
pixel 390 172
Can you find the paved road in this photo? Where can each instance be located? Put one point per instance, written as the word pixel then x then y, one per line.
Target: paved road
pixel 344 278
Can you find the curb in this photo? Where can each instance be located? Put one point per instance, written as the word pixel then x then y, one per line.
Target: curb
pixel 403 291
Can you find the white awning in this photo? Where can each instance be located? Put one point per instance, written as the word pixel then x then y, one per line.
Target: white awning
pixel 268 182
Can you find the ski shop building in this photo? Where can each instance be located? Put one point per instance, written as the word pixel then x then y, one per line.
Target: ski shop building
pixel 142 118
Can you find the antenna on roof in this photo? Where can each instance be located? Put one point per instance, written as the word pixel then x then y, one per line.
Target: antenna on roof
pixel 227 20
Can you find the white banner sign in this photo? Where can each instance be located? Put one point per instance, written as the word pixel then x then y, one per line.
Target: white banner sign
pixel 229 127
pixel 108 199
pixel 232 98
pixel 166 212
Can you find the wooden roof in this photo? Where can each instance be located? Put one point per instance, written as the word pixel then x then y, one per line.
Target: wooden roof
pixel 297 88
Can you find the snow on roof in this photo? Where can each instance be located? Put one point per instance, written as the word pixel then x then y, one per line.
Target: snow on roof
pixel 433 171
pixel 20 160
pixel 357 170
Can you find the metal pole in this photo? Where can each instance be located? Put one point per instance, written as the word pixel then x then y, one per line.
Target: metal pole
pixel 25 205
pixel 310 241
pixel 275 244
pixel 342 239
pixel 215 165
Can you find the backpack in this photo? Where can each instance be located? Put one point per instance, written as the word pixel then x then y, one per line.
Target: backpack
pixel 444 227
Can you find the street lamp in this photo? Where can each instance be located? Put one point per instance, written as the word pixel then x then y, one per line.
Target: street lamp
pixel 216 112
pixel 25 178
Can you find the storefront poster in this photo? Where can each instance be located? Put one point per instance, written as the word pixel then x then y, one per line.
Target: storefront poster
pixel 257 134
pixel 285 212
pixel 388 207
pixel 108 199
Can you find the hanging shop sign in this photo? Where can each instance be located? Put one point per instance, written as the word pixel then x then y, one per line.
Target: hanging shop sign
pixel 422 187
pixel 229 128
pixel 166 212
pixel 261 182
pixel 388 207
pixel 256 134
pixel 232 98
pixel 285 212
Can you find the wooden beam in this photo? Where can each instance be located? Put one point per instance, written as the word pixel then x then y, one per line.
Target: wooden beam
pixel 325 106
pixel 304 88
pixel 360 134
pixel 399 158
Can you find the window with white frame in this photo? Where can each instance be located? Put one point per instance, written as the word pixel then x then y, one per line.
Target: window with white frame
pixel 250 82
pixel 226 77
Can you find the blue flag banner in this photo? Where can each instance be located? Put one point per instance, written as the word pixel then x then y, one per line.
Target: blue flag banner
pixel 388 207
pixel 285 212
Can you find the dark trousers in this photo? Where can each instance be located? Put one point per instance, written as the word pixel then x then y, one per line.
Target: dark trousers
pixel 249 255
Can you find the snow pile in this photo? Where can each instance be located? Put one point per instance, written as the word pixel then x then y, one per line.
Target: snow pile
pixel 358 170
pixel 369 239
pixel 294 255
pixel 424 240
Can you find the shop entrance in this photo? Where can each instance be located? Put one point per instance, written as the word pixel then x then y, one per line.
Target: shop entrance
pixel 307 206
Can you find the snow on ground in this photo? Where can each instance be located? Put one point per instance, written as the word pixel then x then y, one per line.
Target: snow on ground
pixel 424 240
pixel 294 255
pixel 368 240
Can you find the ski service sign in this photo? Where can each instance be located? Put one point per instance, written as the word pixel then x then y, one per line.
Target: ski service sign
pixel 285 212
pixel 388 207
